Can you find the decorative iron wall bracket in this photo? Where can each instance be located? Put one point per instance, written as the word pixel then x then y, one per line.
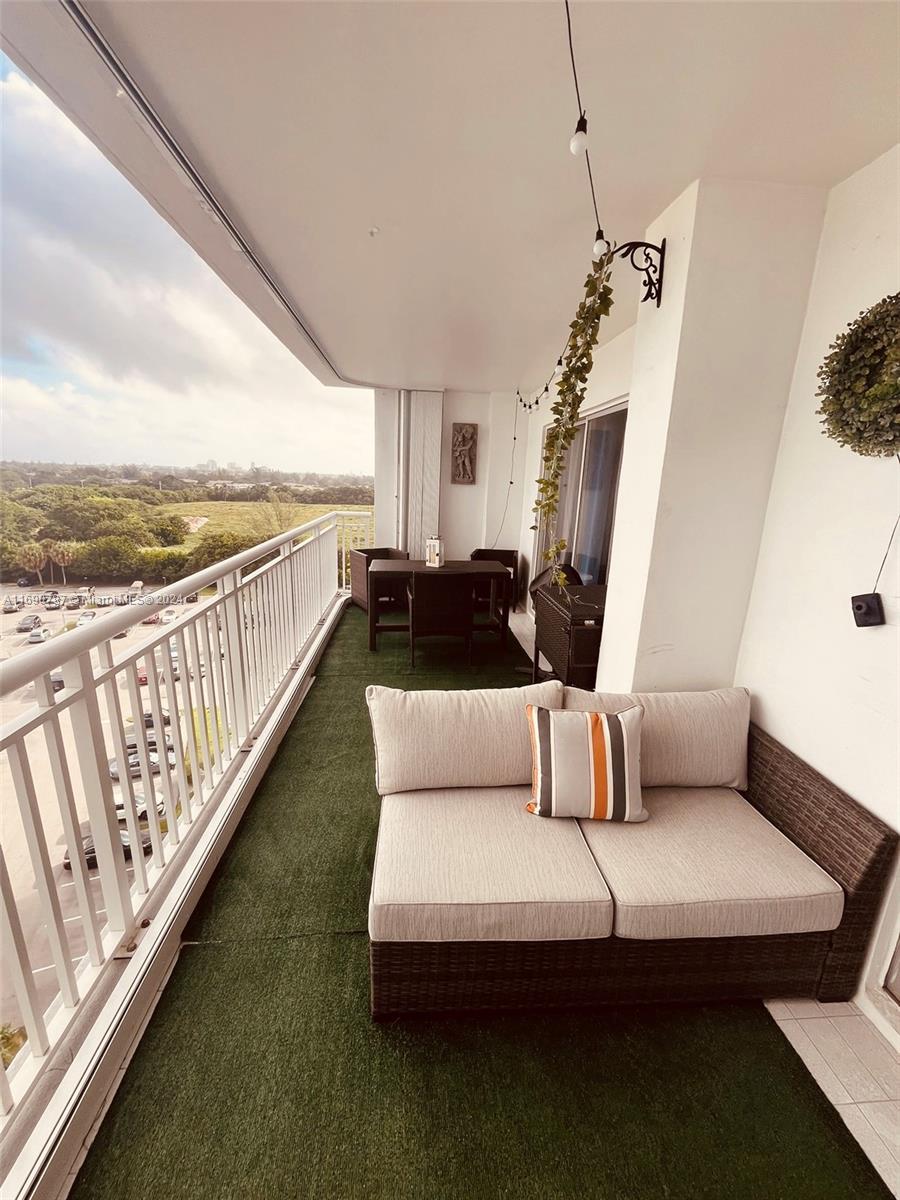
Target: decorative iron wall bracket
pixel 650 260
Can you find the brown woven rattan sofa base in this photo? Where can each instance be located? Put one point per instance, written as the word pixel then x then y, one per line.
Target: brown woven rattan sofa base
pixel 845 839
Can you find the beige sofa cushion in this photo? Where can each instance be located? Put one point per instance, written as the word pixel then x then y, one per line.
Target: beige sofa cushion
pixel 707 864
pixel 469 865
pixel 454 739
pixel 688 739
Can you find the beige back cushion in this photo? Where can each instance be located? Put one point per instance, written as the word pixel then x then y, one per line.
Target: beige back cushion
pixel 454 739
pixel 689 739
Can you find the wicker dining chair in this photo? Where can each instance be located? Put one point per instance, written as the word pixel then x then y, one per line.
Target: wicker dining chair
pixel 440 606
pixel 393 590
pixel 509 558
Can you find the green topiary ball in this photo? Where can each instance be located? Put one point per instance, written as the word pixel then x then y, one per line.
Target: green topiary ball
pixel 860 382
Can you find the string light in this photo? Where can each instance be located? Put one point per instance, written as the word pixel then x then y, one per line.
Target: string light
pixel 578 140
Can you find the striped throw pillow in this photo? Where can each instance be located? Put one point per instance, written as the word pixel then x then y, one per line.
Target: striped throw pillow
pixel 586 764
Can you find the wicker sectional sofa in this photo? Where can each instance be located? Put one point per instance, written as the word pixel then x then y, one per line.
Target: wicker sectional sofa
pixel 754 877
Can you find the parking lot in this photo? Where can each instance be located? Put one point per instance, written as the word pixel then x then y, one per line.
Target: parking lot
pixel 14 642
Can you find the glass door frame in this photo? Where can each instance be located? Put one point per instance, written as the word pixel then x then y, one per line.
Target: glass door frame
pixel 619 404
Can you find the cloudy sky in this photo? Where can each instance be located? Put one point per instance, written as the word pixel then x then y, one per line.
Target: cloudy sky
pixel 119 344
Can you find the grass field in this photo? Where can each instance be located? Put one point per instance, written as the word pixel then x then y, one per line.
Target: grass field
pixel 251 518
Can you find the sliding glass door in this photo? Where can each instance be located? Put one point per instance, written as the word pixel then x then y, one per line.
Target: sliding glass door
pixel 587 497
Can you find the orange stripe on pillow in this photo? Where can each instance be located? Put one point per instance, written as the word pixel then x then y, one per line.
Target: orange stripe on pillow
pixel 529 712
pixel 598 750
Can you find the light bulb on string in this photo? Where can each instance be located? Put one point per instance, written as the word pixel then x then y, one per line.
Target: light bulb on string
pixel 557 370
pixel 601 245
pixel 578 140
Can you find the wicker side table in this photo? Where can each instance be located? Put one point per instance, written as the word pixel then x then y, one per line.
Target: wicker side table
pixel 568 623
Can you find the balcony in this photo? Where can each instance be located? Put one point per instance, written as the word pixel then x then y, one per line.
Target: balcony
pixel 194 1020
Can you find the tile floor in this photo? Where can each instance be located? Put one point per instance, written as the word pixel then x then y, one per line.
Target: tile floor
pixel 857 1070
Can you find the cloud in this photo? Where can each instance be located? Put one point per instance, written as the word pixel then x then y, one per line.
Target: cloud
pixel 120 344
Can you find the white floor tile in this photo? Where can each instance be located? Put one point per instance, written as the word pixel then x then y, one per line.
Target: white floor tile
pixel 815 1063
pixel 837 1008
pixel 875 1149
pixel 778 1010
pixel 884 1117
pixel 849 1068
pixel 878 1055
pixel 804 1008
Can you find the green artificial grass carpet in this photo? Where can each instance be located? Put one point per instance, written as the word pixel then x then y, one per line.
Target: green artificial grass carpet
pixel 261 1076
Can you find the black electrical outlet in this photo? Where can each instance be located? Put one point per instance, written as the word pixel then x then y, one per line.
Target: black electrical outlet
pixel 868 609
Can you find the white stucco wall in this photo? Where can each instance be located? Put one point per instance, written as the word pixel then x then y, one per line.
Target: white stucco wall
pixel 462 514
pixel 712 373
pixel 821 685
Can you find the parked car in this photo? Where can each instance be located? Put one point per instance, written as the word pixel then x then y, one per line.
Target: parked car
pixel 131 742
pixel 54 603
pixel 28 622
pixel 122 599
pixel 168 615
pixel 149 722
pixel 48 595
pixel 140 808
pixel 39 636
pixel 88 849
pixel 12 604
pixel 87 616
pixel 57 682
pixel 105 601
pixel 192 598
pixel 74 601
pixel 151 619
pixel 133 763
pixel 23 581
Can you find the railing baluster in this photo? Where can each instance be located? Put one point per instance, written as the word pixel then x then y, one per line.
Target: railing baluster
pixel 51 913
pixel 120 750
pixel 140 733
pixel 87 728
pixel 15 956
pixel 6 1096
pixel 190 725
pixel 165 777
pixel 235 654
pixel 204 714
pixel 174 728
pixel 219 713
pixel 62 782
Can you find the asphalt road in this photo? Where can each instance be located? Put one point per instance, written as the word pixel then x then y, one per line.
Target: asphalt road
pixel 13 643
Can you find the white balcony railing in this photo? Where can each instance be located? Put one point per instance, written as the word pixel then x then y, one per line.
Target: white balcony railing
pixel 175 711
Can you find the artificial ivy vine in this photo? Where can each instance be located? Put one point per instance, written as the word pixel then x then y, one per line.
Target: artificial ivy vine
pixel 571 387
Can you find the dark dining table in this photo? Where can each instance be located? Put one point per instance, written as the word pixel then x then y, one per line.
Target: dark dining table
pixel 480 571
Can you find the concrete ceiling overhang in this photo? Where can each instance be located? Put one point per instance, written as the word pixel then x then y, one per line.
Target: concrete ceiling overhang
pixel 446 126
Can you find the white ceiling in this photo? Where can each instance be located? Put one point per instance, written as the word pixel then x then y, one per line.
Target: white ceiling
pixel 446 125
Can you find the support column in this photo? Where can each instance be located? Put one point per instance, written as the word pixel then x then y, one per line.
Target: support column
pixel 711 374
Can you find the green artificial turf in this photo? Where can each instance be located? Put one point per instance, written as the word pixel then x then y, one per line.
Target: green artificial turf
pixel 261 1076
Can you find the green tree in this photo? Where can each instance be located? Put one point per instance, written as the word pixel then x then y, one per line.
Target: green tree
pixel 48 546
pixel 19 522
pixel 64 554
pixel 169 530
pixel 163 563
pixel 213 547
pixel 31 557
pixel 108 558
